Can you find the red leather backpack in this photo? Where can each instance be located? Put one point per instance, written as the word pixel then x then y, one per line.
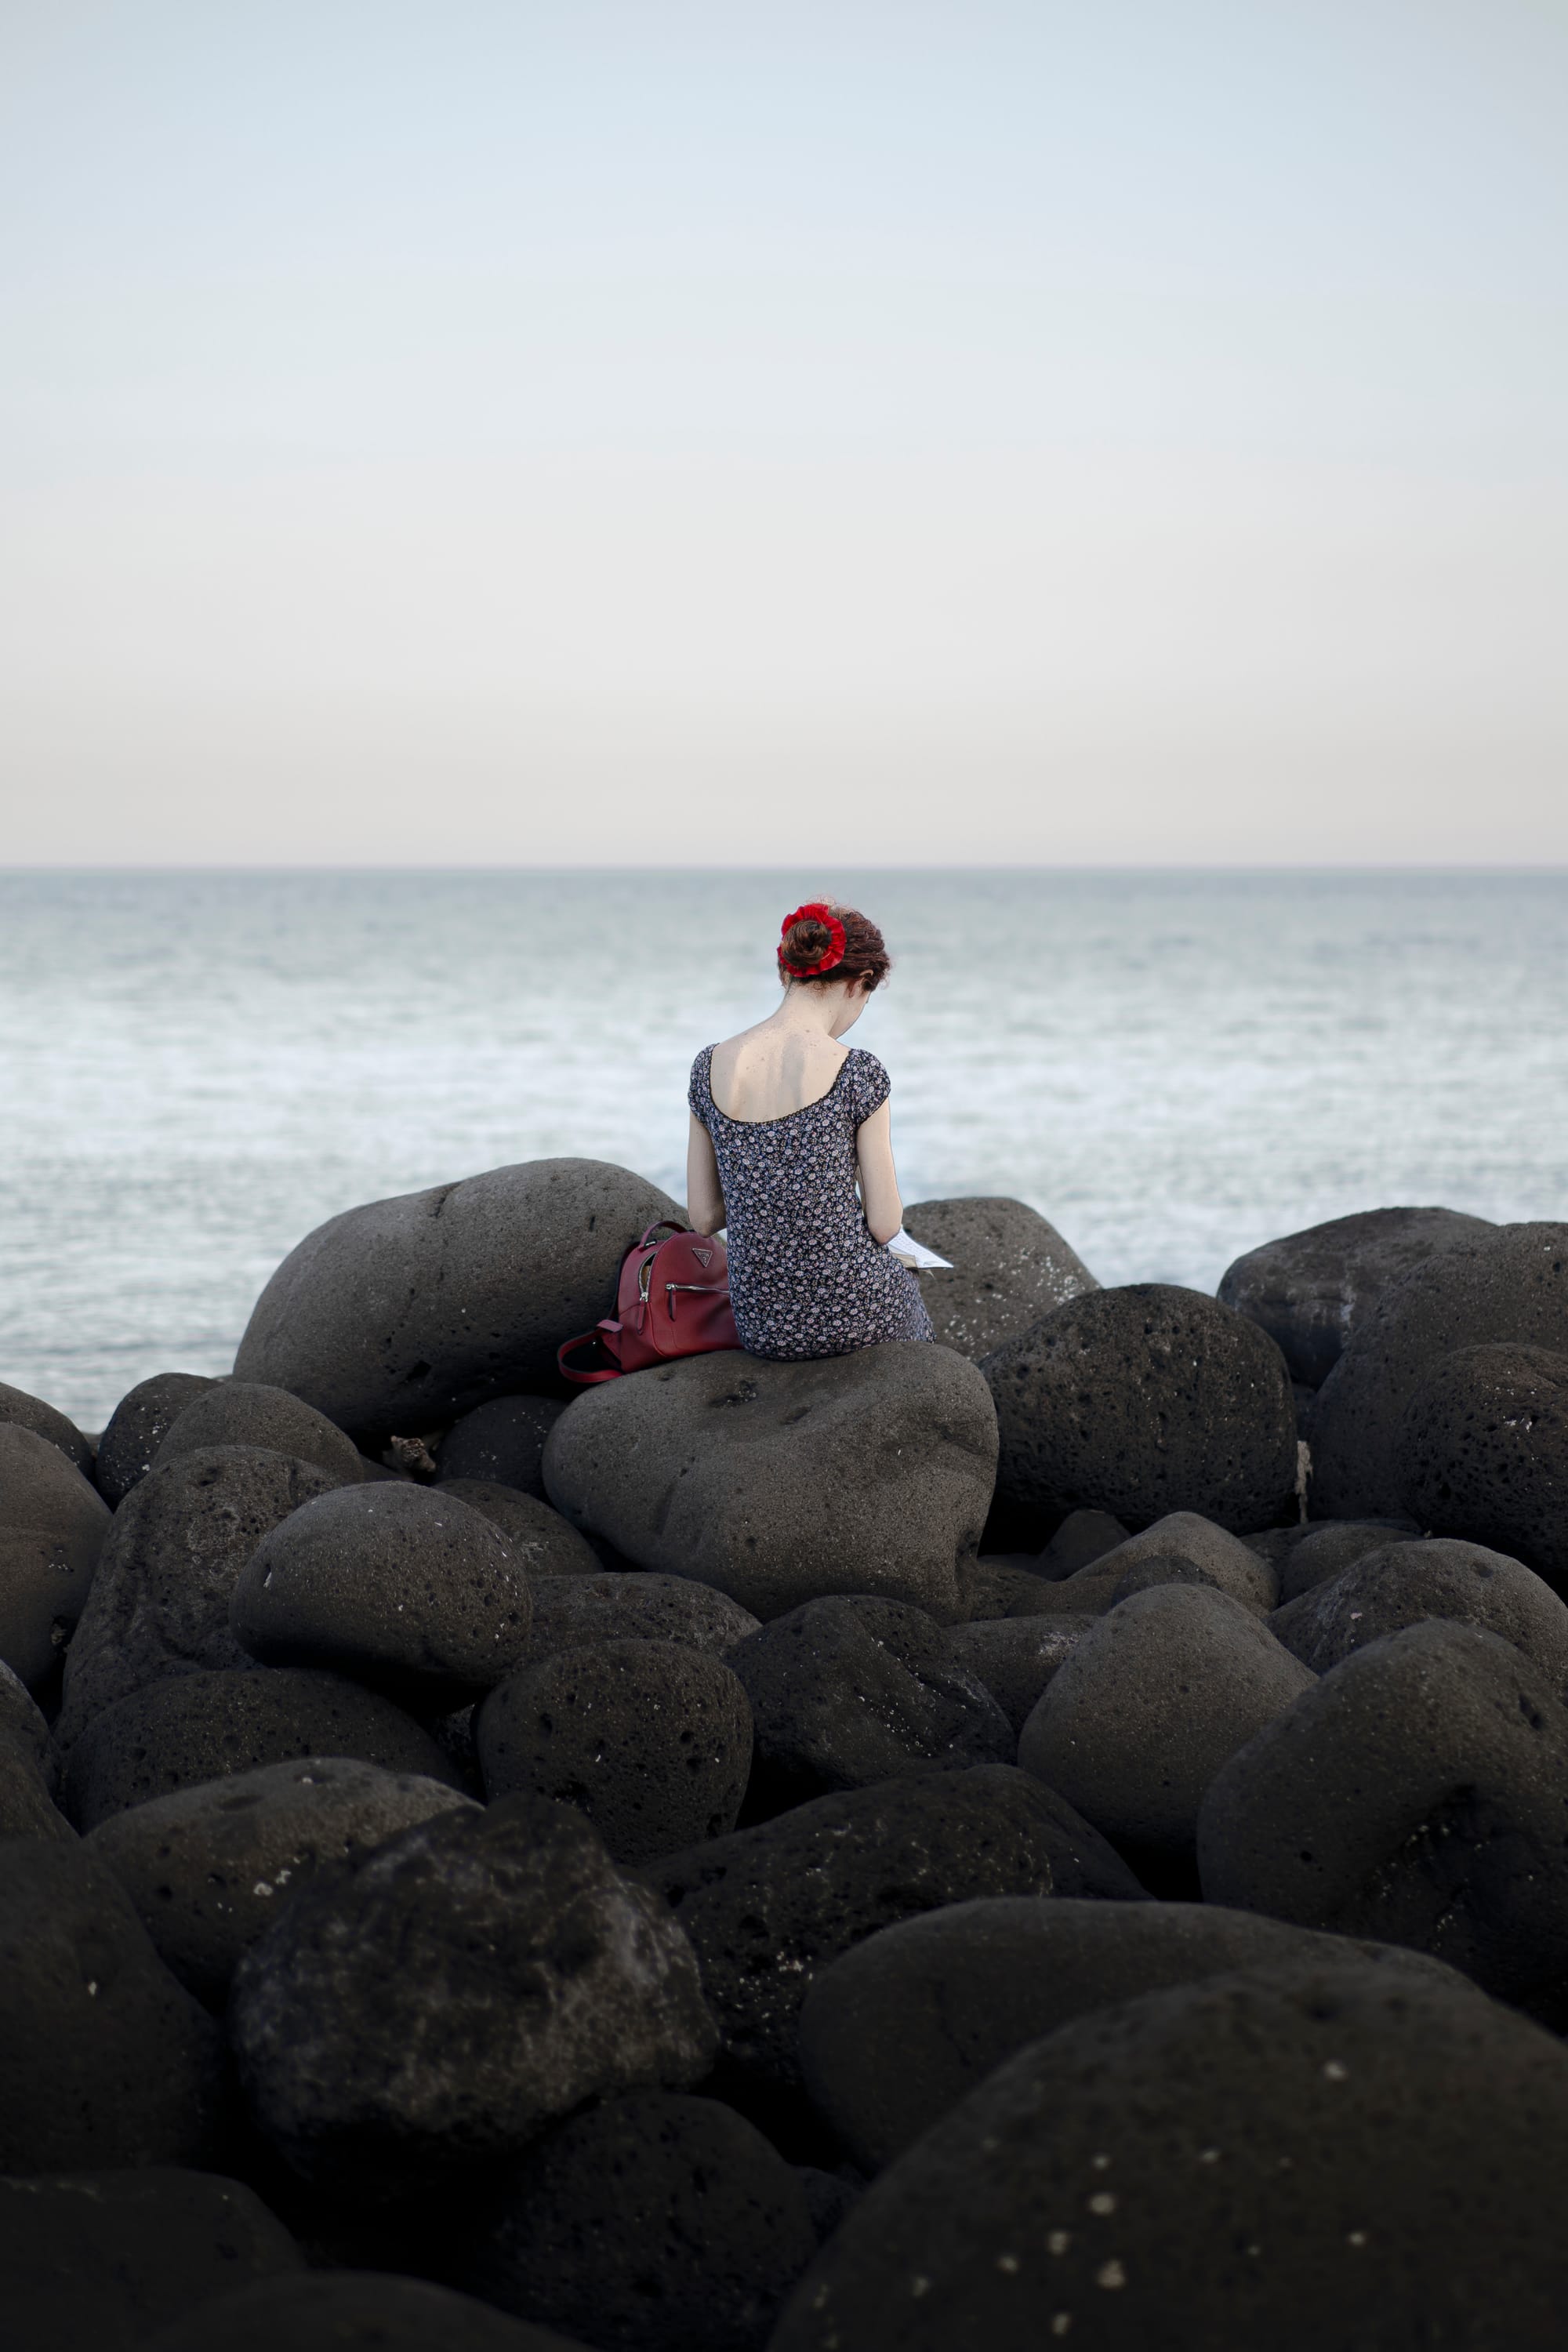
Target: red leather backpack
pixel 673 1299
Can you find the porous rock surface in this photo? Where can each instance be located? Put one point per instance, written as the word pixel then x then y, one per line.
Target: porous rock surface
pixel 1509 1285
pixel 92 2261
pixel 137 1427
pixel 28 1809
pixel 42 1489
pixel 160 1599
pixel 1309 1291
pixel 1482 1452
pixel 1186 1549
pixel 847 1691
pixel 654 2223
pixel 402 1586
pixel 768 1907
pixel 1142 1401
pixel 342 2310
pixel 1136 1722
pixel 104 2059
pixel 780 1481
pixel 46 1420
pixel 44 1580
pixel 1013 1657
pixel 209 1868
pixel 614 1606
pixel 1415 1794
pixel 248 1413
pixel 906 2024
pixel 208 1726
pixel 446 1996
pixel 405 1314
pixel 651 1740
pixel 503 1441
pixel 541 1541
pixel 1405 1582
pixel 1009 1267
pixel 1268 2157
pixel 1328 1546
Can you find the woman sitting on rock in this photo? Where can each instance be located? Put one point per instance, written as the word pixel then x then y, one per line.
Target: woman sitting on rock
pixel 783 1121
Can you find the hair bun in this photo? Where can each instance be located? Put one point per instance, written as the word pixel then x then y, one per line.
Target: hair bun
pixel 805 943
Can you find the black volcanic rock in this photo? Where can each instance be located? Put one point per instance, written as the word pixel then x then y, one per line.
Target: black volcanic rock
pixel 502 1443
pixel 209 1868
pixel 1009 1267
pixel 41 1488
pixel 1296 2155
pixel 571 1610
pixel 1509 1285
pixel 46 1421
pixel 441 2000
pixel 1013 1657
pixel 208 1726
pixel 1185 1549
pixel 654 2222
pixel 401 1316
pixel 1328 1546
pixel 160 1598
pixel 1144 1400
pixel 780 1481
pixel 104 2059
pixel 44 1580
pixel 248 1413
pixel 137 1428
pixel 351 2311
pixel 1404 1582
pixel 847 1691
pixel 541 1541
pixel 768 1907
pixel 401 1586
pixel 92 2261
pixel 1309 1291
pixel 1482 1452
pixel 652 1741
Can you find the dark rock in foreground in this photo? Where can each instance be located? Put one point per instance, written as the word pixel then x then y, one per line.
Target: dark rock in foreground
pixel 1009 1267
pixel 92 2261
pixel 47 1422
pixel 901 2029
pixel 247 1413
pixel 717 1467
pixel 1482 1452
pixel 1013 1657
pixel 339 2312
pixel 137 1428
pixel 41 1488
pixel 44 1582
pixel 1311 1290
pixel 1403 1584
pixel 768 1907
pixel 1328 1546
pixel 502 1443
pixel 655 2222
pixel 402 1315
pixel 206 1726
pixel 104 2059
pixel 570 1610
pixel 541 1541
pixel 447 1997
pixel 1298 2155
pixel 1141 1401
pixel 1185 1549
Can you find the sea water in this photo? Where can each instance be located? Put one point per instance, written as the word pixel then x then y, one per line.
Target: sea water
pixel 196 1068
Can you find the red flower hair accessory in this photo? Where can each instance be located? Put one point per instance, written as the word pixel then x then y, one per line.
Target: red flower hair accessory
pixel 815 911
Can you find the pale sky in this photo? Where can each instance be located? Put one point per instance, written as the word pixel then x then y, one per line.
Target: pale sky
pixel 476 431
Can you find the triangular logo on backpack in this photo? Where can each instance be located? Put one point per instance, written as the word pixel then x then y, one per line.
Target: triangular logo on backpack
pixel 703 1257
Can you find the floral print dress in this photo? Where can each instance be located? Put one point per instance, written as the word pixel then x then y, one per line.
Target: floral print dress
pixel 805 1277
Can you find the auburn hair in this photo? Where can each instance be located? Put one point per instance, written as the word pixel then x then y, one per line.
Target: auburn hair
pixel 808 939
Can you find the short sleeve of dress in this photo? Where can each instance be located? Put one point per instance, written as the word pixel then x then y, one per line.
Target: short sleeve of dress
pixel 697 1094
pixel 872 1085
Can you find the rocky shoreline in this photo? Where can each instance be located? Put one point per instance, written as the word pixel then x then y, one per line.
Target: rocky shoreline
pixel 1060 1835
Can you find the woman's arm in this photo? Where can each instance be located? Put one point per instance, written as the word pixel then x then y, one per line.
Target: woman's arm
pixel 878 1179
pixel 704 1194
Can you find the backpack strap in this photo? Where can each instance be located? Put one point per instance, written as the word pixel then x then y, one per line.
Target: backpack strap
pixel 606 1364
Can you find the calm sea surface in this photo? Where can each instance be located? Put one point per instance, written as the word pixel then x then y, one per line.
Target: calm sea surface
pixel 196 1068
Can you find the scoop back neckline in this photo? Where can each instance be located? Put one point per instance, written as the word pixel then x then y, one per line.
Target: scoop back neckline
pixel 785 1116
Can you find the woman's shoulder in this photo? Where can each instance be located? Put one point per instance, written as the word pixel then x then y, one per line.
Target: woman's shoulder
pixel 870 1080
pixel 699 1089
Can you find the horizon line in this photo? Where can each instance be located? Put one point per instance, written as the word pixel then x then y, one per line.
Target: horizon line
pixel 1458 867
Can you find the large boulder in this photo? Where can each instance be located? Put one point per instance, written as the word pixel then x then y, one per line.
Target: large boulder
pixel 209 1867
pixel 768 1907
pixel 847 1690
pixel 1013 1657
pixel 1404 1582
pixel 28 1809
pixel 570 1611
pixel 652 1741
pixel 1508 1285
pixel 1298 2155
pixel 400 1586
pixel 1185 1549
pixel 104 2059
pixel 1138 1719
pixel 1415 1794
pixel 208 1726
pixel 1009 1267
pixel 1309 1291
pixel 160 1599
pixel 443 1998
pixel 540 1540
pixel 1328 1546
pixel 93 2261
pixel 338 2311
pixel 1482 1452
pixel 502 1443
pixel 402 1315
pixel 46 1420
pixel 1141 1402
pixel 905 2025
pixel 777 1483
pixel 657 2223
pixel 41 1488
pixel 44 1580
pixel 137 1428
pixel 248 1413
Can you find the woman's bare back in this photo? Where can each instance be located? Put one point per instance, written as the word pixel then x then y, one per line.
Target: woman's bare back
pixel 769 1071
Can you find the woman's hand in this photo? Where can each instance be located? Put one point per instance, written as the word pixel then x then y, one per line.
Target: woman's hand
pixel 704 1196
pixel 879 1180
